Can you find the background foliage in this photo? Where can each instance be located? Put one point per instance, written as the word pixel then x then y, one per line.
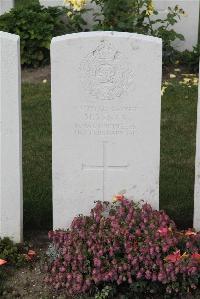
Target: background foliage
pixel 36 26
pixel 140 16
pixel 190 59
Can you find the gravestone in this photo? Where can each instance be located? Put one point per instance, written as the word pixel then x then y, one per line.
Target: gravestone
pixel 10 141
pixel 47 3
pixel 106 98
pixel 6 6
pixel 88 15
pixel 197 171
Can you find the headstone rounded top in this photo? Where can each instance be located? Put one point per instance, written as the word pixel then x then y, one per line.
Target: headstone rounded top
pixel 9 36
pixel 104 34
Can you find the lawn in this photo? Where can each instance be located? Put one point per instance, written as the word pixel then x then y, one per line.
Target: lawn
pixel 177 154
pixel 36 113
pixel 178 142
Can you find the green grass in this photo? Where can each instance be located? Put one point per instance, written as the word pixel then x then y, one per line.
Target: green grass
pixel 177 154
pixel 36 115
pixel 178 132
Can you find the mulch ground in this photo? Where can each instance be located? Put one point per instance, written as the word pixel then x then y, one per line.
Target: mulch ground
pixel 36 75
pixel 28 282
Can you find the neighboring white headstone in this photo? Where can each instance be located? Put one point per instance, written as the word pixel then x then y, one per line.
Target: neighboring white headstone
pixel 197 170
pixel 6 6
pixel 106 98
pixel 50 3
pixel 188 25
pixel 10 138
pixel 88 16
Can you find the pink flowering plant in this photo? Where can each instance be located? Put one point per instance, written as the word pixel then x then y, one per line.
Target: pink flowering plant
pixel 129 248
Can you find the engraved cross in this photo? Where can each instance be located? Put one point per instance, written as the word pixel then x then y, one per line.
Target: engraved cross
pixel 104 167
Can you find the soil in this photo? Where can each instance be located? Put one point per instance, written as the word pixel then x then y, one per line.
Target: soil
pixel 36 75
pixel 28 282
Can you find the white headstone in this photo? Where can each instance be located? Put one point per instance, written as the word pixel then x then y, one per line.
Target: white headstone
pixel 188 25
pixel 88 16
pixel 49 3
pixel 6 6
pixel 197 171
pixel 106 98
pixel 10 138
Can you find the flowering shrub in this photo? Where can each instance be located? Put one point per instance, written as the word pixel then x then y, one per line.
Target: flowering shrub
pixel 37 25
pixel 141 16
pixel 125 246
pixel 191 58
pixel 76 4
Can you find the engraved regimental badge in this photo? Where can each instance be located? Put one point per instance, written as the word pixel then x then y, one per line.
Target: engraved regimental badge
pixel 105 72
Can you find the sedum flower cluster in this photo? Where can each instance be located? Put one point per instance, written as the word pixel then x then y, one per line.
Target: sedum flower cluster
pixel 122 244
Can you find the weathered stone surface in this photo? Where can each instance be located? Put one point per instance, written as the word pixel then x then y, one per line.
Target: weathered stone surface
pixel 106 120
pixel 10 138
